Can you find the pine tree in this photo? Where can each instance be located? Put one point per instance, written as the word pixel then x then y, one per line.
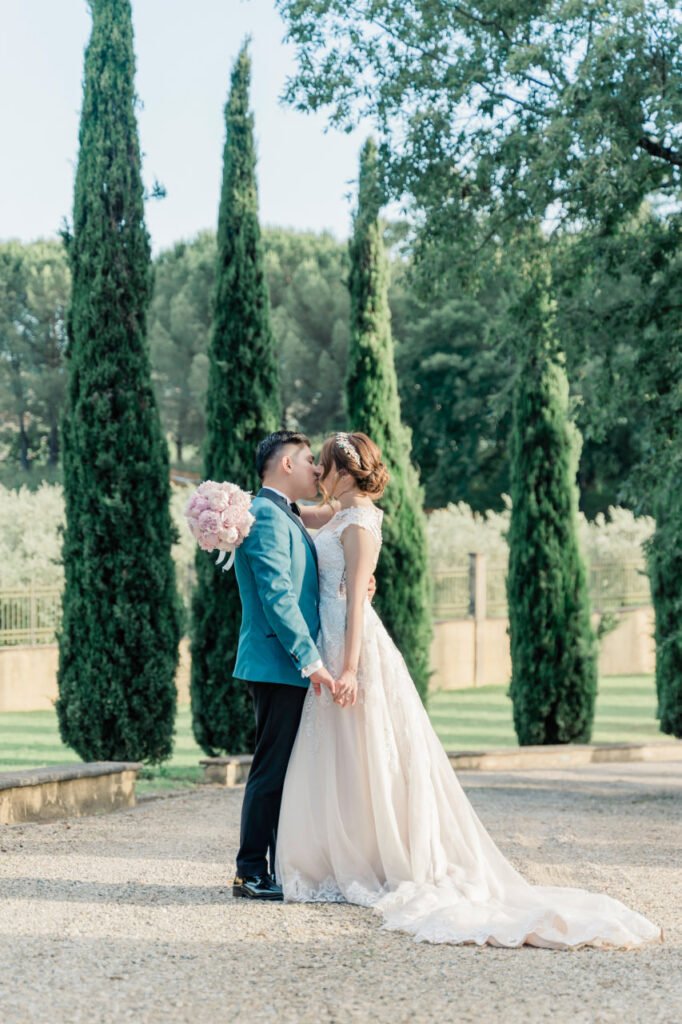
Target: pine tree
pixel 373 405
pixel 554 672
pixel 118 644
pixel 243 405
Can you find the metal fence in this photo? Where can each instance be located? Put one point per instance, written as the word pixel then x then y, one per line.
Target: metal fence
pixel 31 615
pixel 613 586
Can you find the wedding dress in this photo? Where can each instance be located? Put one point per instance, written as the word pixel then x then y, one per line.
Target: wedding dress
pixel 373 814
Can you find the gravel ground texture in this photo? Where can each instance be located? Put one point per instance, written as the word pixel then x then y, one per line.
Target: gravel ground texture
pixel 129 917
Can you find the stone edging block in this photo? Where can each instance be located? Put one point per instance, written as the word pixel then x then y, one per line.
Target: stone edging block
pixel 234 770
pixel 61 791
pixel 564 755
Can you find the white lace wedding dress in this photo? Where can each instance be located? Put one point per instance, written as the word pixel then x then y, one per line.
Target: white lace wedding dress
pixel 372 812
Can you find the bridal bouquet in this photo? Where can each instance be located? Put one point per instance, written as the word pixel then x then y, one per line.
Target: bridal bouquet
pixel 218 517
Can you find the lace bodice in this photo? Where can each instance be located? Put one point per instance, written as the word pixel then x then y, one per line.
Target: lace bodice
pixel 330 555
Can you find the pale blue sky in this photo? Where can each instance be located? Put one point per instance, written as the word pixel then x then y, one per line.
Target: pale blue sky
pixel 185 50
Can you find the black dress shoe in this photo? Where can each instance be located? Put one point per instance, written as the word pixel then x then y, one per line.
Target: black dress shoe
pixel 257 887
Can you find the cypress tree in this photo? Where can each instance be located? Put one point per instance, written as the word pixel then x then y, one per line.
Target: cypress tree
pixel 243 405
pixel 118 645
pixel 554 670
pixel 665 570
pixel 373 405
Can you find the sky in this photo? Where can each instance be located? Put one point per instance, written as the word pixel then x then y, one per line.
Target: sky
pixel 185 50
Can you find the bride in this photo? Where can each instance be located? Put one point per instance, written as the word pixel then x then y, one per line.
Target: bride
pixel 372 812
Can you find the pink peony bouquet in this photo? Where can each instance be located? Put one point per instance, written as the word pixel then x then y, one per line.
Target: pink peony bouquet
pixel 218 517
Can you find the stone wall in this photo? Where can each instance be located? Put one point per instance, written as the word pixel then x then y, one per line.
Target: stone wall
pixel 466 652
pixel 28 677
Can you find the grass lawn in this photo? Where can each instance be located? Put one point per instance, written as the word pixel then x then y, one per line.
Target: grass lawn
pixel 482 718
pixel 30 739
pixel 464 719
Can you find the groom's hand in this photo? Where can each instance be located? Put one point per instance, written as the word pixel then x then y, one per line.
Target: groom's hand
pixel 371 588
pixel 323 678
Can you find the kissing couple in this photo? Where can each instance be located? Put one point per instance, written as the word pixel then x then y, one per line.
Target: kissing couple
pixel 350 796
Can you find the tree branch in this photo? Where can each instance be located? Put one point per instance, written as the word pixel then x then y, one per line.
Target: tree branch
pixel 662 152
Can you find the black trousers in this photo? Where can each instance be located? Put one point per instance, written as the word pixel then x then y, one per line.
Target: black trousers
pixel 278 710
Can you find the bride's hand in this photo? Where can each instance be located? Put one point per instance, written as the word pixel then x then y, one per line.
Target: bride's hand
pixel 346 688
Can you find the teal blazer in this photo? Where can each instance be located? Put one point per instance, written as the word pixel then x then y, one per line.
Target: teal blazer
pixel 276 568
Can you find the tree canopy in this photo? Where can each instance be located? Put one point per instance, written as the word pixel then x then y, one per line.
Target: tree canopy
pixel 520 110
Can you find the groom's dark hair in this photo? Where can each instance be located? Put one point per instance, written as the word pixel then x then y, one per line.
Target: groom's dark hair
pixel 273 443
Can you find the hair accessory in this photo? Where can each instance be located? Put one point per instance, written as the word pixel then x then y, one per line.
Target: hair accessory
pixel 346 445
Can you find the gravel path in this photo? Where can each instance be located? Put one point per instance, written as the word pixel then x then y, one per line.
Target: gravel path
pixel 129 917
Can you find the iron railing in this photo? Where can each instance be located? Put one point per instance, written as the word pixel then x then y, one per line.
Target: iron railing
pixel 613 586
pixel 31 615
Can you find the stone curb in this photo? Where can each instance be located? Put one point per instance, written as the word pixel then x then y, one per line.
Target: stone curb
pixel 64 772
pixel 564 755
pixel 61 791
pixel 234 770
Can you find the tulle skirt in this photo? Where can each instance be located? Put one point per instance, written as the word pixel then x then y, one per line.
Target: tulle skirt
pixel 373 814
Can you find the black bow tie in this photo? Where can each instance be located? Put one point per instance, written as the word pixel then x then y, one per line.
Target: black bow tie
pixel 295 509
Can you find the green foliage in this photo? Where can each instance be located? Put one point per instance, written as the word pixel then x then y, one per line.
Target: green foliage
pixel 307 276
pixel 307 283
pixel 118 645
pixel 665 569
pixel 179 326
pixel 453 361
pixel 374 408
pixel 31 523
pixel 31 528
pixel 503 109
pixel 633 368
pixel 454 379
pixel 34 294
pixel 456 530
pixel 619 318
pixel 554 671
pixel 494 116
pixel 242 406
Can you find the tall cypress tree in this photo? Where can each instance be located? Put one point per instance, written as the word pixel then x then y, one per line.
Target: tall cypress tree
pixel 402 598
pixel 243 405
pixel 118 645
pixel 554 670
pixel 665 570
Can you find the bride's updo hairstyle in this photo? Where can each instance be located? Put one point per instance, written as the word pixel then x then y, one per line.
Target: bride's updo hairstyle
pixel 361 459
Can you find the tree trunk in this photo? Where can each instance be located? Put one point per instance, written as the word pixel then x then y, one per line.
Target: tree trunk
pixel 53 440
pixel 24 460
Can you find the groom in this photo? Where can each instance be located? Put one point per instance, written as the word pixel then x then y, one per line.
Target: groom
pixel 276 568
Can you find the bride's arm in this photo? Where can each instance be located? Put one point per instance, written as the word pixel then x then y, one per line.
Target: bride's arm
pixel 315 516
pixel 359 550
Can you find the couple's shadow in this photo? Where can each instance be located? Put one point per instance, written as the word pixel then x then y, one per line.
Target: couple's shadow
pixel 142 894
pixel 123 893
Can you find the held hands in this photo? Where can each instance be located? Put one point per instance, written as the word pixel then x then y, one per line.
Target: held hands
pixel 323 678
pixel 346 688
